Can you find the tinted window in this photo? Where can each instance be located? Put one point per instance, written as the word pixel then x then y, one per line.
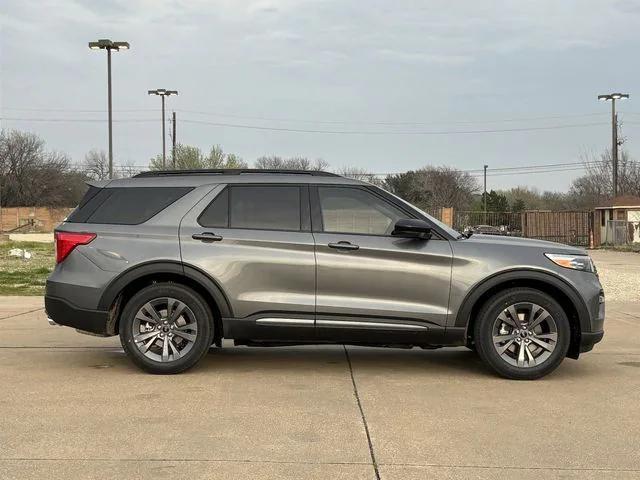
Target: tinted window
pixel 217 213
pixel 353 210
pixel 265 207
pixel 126 206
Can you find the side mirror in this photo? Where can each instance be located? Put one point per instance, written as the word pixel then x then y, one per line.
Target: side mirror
pixel 412 228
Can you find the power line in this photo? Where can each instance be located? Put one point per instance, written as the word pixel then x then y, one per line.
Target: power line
pixel 327 122
pixel 388 123
pixel 74 110
pixel 373 132
pixel 77 120
pixel 299 130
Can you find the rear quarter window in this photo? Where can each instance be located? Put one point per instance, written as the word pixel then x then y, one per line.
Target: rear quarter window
pixel 125 206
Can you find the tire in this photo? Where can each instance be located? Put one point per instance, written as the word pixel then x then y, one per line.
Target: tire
pixel 511 347
pixel 172 345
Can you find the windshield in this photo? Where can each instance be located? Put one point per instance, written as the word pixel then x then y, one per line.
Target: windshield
pixel 454 233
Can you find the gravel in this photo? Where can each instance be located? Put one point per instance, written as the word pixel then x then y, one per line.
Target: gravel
pixel 619 274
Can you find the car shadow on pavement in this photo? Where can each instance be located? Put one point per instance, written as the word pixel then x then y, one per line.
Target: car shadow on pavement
pixel 305 360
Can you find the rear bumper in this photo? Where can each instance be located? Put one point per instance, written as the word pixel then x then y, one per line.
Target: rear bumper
pixel 588 340
pixel 65 313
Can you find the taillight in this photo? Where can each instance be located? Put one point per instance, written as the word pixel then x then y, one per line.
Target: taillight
pixel 67 241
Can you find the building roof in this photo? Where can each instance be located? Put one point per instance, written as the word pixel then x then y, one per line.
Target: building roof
pixel 622 201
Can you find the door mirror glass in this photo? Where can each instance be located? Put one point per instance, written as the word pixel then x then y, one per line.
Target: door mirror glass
pixel 412 228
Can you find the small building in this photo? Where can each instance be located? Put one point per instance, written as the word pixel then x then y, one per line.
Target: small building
pixel 620 220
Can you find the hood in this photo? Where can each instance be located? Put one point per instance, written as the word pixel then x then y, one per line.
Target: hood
pixel 524 242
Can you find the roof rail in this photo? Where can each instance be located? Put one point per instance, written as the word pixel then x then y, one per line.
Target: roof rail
pixel 234 171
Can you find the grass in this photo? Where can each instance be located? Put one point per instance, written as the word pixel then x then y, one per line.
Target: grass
pixel 25 277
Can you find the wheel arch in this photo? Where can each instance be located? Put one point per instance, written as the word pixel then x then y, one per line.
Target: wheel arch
pixel 132 280
pixel 564 293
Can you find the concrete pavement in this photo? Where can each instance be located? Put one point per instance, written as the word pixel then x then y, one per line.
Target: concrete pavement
pixel 74 407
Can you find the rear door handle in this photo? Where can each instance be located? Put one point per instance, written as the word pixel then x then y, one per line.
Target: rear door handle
pixel 344 246
pixel 207 237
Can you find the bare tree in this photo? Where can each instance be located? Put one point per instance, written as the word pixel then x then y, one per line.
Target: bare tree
pixel 362 174
pixel 596 186
pixel 128 169
pixel 96 164
pixel 32 176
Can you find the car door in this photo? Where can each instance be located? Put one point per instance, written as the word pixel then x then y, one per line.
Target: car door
pixel 254 241
pixel 370 284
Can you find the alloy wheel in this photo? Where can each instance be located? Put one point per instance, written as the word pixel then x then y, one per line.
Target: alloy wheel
pixel 164 329
pixel 525 334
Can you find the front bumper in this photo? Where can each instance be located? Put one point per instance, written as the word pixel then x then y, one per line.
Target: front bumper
pixel 62 312
pixel 596 311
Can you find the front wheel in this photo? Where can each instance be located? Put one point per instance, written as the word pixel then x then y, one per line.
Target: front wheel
pixel 166 328
pixel 522 333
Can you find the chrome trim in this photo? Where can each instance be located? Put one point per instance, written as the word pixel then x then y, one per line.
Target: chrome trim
pixel 286 321
pixel 380 325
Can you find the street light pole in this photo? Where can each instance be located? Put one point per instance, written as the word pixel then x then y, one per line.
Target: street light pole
pixel 485 188
pixel 163 93
pixel 173 140
pixel 108 45
pixel 612 97
pixel 110 113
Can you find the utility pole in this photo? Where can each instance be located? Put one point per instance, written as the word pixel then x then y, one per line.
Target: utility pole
pixel 485 188
pixel 108 45
pixel 163 93
pixel 173 141
pixel 612 97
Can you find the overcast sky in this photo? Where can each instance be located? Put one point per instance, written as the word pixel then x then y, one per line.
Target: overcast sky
pixel 408 77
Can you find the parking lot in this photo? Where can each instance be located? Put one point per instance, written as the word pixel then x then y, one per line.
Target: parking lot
pixel 74 407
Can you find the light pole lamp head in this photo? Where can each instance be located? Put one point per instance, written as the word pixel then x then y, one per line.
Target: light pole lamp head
pixel 162 92
pixel 106 44
pixel 613 96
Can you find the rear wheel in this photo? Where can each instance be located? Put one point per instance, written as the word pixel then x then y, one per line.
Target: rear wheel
pixel 522 333
pixel 166 328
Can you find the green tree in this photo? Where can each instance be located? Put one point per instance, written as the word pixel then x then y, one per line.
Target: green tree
pixel 496 202
pixel 291 163
pixel 192 158
pixel 433 187
pixel 518 205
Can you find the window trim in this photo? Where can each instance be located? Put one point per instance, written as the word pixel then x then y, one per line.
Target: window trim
pixel 316 211
pixel 304 207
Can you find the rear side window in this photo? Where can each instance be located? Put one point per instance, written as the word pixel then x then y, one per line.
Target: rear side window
pixel 217 213
pixel 264 207
pixel 125 206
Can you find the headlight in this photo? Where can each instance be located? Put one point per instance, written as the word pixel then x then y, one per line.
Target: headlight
pixel 575 262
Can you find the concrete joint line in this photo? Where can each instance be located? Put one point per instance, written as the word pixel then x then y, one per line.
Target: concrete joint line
pixel 364 419
pixel 21 313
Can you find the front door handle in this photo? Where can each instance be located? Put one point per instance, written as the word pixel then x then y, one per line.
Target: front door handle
pixel 344 246
pixel 207 237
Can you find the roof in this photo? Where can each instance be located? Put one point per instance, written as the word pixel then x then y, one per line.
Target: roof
pixel 621 201
pixel 195 178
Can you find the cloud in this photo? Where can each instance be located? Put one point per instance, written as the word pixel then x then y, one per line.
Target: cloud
pixel 419 57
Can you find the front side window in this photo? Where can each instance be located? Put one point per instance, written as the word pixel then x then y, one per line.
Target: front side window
pixel 354 210
pixel 264 207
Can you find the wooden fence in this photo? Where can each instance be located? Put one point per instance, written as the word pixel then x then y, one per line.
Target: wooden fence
pixel 31 219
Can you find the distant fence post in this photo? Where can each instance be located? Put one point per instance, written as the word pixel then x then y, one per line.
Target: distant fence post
pixel 447 216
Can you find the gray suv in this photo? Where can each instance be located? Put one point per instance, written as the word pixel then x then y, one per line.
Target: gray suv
pixel 173 262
